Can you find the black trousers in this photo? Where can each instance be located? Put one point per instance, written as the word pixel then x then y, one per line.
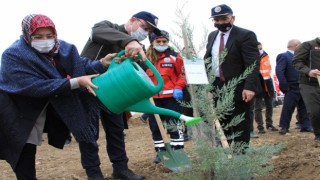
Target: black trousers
pixel 258 106
pixel 26 166
pixel 311 98
pixel 113 126
pixel 176 134
pixel 188 111
pixel 244 127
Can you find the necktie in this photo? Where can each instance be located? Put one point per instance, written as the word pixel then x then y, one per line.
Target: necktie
pixel 221 48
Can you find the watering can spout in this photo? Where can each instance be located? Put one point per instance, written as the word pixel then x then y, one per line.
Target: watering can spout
pixel 145 106
pixel 190 120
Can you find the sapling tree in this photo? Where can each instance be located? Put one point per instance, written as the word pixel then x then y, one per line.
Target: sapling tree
pixel 212 160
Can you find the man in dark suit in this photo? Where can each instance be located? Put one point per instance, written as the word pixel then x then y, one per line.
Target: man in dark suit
pixel 288 78
pixel 240 52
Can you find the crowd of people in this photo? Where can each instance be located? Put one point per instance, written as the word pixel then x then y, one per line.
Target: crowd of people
pixel 45 86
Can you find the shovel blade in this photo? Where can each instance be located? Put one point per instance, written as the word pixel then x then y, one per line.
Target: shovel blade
pixel 175 160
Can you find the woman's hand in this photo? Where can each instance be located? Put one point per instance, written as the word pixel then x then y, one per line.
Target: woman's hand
pixel 86 82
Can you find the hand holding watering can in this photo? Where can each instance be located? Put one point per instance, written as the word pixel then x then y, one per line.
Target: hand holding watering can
pixel 126 87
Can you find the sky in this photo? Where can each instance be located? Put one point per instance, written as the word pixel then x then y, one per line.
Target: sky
pixel 275 22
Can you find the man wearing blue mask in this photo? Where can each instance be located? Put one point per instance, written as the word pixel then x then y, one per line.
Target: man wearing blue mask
pixel 109 37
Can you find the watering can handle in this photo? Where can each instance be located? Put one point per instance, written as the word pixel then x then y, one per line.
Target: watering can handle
pixel 159 86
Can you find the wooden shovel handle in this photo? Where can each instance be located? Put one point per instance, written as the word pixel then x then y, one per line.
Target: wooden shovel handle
pixel 160 125
pixel 318 77
pixel 223 138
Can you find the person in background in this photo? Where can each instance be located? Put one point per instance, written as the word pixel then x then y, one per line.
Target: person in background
pixel 288 78
pixel 170 65
pixel 242 52
pixel 45 84
pixel 266 97
pixel 108 37
pixel 306 61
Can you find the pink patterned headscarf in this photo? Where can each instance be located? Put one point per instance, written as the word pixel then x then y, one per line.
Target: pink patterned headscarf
pixel 34 21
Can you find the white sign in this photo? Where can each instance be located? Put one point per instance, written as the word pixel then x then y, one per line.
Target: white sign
pixel 195 71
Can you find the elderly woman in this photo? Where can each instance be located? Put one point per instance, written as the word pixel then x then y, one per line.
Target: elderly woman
pixel 45 84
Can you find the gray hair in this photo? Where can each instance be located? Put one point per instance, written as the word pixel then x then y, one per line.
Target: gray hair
pixel 293 43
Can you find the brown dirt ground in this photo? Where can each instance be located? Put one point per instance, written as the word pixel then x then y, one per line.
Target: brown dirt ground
pixel 299 160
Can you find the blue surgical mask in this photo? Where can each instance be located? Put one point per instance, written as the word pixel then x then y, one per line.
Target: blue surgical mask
pixel 140 34
pixel 160 48
pixel 43 46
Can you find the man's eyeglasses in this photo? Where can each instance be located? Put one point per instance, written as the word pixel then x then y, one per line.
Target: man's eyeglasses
pixel 145 27
pixel 39 37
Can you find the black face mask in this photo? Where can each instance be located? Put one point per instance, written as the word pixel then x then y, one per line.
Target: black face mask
pixel 223 27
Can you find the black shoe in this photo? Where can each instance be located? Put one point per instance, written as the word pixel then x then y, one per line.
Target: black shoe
pixel 283 131
pixel 253 135
pixel 306 130
pixel 126 175
pixel 157 160
pixel 67 142
pixel 144 118
pixel 261 131
pixel 96 177
pixel 272 128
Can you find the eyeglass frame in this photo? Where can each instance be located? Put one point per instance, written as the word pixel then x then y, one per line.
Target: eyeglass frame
pixel 149 28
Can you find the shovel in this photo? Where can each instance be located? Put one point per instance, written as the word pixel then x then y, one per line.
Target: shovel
pixel 175 160
pixel 223 138
pixel 318 77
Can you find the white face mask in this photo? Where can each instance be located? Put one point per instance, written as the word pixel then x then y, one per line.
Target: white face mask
pixel 261 51
pixel 160 48
pixel 43 46
pixel 139 34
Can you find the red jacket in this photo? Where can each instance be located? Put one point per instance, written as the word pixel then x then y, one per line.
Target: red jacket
pixel 171 68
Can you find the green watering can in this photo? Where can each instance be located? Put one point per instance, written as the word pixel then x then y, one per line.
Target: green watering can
pixel 126 87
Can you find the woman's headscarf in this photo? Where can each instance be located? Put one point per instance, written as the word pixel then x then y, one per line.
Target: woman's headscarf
pixel 32 22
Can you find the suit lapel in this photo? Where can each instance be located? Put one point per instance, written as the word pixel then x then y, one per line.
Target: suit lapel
pixel 232 37
pixel 214 38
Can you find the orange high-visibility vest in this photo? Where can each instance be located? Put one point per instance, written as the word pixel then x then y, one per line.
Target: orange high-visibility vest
pixel 265 67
